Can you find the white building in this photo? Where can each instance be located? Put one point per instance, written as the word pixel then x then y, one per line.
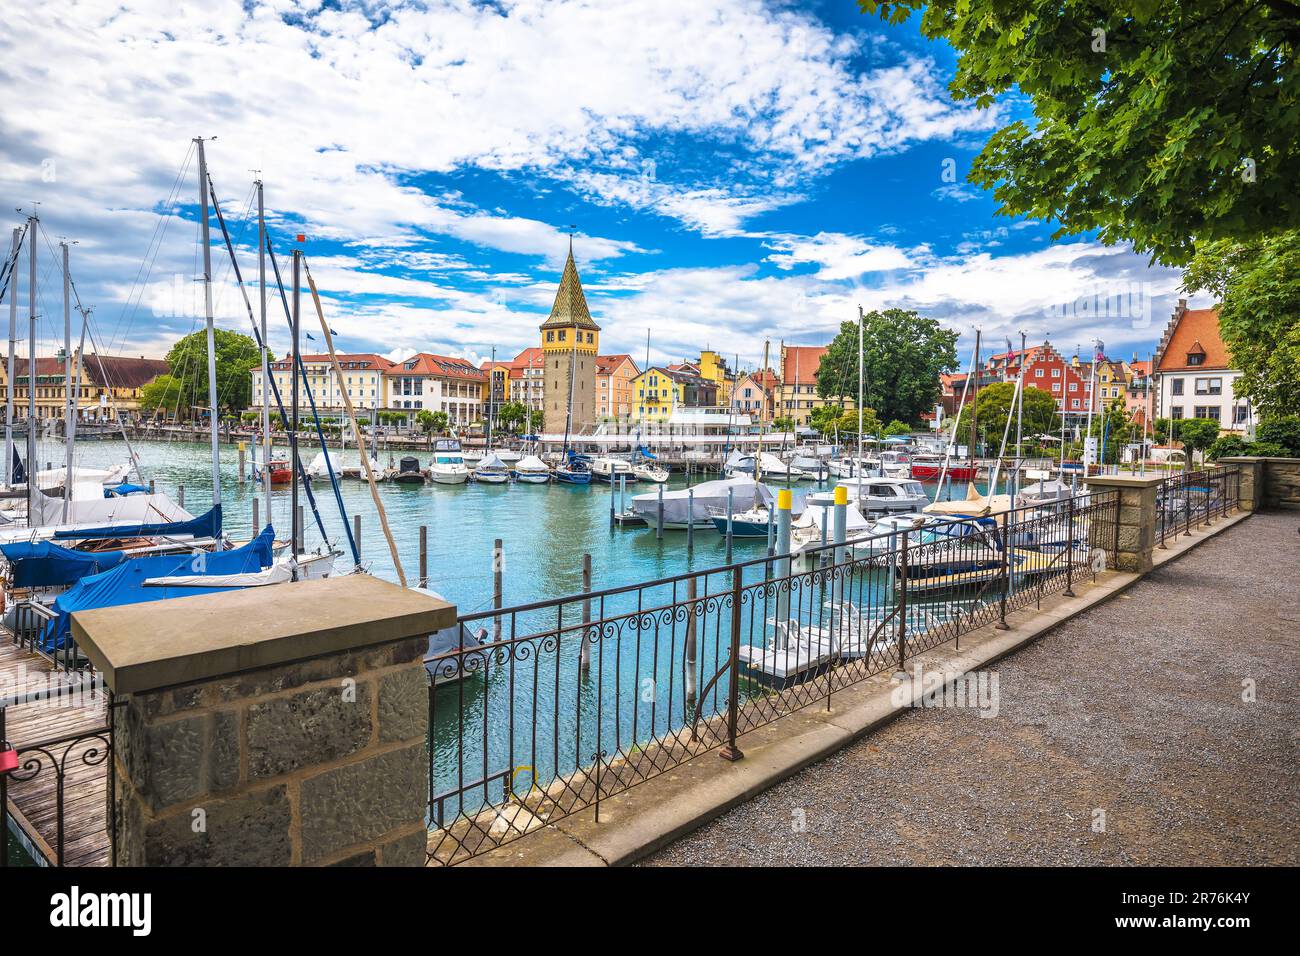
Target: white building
pixel 437 383
pixel 363 380
pixel 1194 374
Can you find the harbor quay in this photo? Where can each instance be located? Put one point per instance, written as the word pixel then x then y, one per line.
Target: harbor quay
pixel 593 727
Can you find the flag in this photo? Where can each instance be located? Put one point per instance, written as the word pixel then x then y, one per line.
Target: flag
pixel 309 336
pixel 1101 351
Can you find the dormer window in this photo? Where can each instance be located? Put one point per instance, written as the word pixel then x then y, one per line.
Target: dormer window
pixel 1195 358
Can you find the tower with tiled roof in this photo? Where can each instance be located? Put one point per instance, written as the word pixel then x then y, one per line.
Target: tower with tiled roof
pixel 570 343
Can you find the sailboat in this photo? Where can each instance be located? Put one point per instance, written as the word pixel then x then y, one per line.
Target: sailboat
pixel 491 470
pixel 531 470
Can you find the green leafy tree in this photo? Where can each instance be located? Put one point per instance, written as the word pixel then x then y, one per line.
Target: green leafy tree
pixel 903 354
pixel 236 356
pixel 1226 446
pixel 783 424
pixel 437 422
pixel 536 421
pixel 994 406
pixel 1160 430
pixel 823 418
pixel 1195 434
pixel 162 396
pixel 1268 449
pixel 1128 138
pixel 1113 428
pixel 512 415
pixel 847 423
pixel 1257 283
pixel 897 428
pixel 1283 431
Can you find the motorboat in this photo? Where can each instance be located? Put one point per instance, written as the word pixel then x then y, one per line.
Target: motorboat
pixel 531 470
pixel 492 470
pixel 650 472
pixel 408 471
pixel 609 470
pixel 750 523
pixel 699 505
pixel 896 464
pixel 767 465
pixel 448 465
pixel 876 495
pixel 574 471
pixel 1045 493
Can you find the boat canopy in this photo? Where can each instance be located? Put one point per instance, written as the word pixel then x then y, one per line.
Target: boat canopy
pixel 124 489
pixel 98 510
pixel 531 463
pixel 206 525
pixel 974 505
pixel 37 564
pixel 490 462
pixel 125 583
pixel 645 452
pixel 708 498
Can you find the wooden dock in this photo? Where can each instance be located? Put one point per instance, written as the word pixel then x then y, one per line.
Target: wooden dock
pixel 32 804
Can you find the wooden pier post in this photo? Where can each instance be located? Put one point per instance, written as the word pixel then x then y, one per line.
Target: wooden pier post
pixel 498 591
pixel 241 462
pixel 356 532
pixel 180 496
pixel 612 495
pixel 690 525
pixel 424 555
pixel 584 652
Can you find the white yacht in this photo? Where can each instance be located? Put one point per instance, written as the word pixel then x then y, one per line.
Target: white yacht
pixel 531 470
pixel 649 471
pixel 886 494
pixel 609 470
pixel 448 465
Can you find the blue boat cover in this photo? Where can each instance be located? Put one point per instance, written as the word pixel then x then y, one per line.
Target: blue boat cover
pixel 124 584
pixel 124 489
pixel 207 525
pixel 39 564
pixel 645 452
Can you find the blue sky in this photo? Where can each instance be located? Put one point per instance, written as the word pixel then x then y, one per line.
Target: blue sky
pixel 734 171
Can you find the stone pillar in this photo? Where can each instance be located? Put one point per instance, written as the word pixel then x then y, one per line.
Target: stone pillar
pixel 1250 485
pixel 274 726
pixel 1137 520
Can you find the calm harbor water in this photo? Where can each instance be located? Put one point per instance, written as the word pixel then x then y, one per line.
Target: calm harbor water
pixel 533 708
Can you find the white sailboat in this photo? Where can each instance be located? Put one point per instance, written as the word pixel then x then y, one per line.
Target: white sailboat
pixel 491 470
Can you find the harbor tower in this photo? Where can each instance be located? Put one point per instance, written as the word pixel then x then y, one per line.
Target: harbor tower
pixel 570 342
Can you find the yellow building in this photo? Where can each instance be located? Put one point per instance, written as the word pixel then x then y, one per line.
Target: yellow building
pixel 658 391
pixel 797 396
pixel 570 343
pixel 714 367
pixel 110 387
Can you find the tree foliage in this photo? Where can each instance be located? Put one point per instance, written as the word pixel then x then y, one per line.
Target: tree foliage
pixel 237 355
pixel 1196 434
pixel 994 406
pixel 511 416
pixel 1258 285
pixel 1159 123
pixel 903 354
pixel 162 396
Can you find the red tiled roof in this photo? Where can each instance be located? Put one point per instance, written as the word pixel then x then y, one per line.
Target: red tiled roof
pixel 1194 330
pixel 439 366
pixel 607 364
pixel 111 371
pixel 528 358
pixel 800 364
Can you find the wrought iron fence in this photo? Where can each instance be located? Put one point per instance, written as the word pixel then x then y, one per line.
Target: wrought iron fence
pixel 1187 499
pixel 33 630
pixel 35 780
pixel 544 709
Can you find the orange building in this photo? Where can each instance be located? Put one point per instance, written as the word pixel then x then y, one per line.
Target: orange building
pixel 614 392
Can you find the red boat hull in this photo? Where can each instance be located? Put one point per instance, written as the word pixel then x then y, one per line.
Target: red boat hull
pixel 930 472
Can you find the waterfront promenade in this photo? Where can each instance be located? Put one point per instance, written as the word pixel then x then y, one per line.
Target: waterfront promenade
pixel 1133 708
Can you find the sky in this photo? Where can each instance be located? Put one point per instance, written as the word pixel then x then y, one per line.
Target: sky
pixel 730 173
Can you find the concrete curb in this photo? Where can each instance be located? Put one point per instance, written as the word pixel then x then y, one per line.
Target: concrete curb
pixel 651 815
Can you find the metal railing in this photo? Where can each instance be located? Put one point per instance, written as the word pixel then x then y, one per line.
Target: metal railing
pixel 33 630
pixel 581 698
pixel 1188 499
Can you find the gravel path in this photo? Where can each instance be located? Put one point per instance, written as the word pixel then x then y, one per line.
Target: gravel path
pixel 1134 708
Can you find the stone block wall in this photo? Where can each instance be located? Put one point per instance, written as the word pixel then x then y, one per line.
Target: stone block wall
pixel 1137 521
pixel 1281 483
pixel 315 762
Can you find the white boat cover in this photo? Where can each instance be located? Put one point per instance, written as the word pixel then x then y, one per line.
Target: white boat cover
pixel 710 497
pixel 491 462
pixel 812 517
pixel 55 477
pixel 91 512
pixel 974 504
pixel 275 574
pixel 531 464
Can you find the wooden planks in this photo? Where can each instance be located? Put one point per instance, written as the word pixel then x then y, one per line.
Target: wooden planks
pixel 33 803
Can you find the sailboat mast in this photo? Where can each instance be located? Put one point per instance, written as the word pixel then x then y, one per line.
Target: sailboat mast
pixel 491 395
pixel 293 414
pixel 9 369
pixel 975 410
pixel 266 364
pixel 32 492
pixel 1020 416
pixel 861 390
pixel 1092 390
pixel 207 315
pixel 69 415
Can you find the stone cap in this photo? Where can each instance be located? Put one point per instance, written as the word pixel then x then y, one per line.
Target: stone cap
pixel 143 647
pixel 1123 481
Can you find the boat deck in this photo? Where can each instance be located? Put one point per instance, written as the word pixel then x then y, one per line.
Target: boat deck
pixel 32 804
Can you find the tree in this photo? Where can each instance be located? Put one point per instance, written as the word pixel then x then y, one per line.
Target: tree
pixel 823 418
pixel 1113 428
pixel 1283 431
pixel 783 424
pixel 436 422
pixel 511 415
pixel 847 423
pixel 1196 434
pixel 236 355
pixel 1160 430
pixel 1226 446
pixel 1127 137
pixel 162 395
pixel 1257 283
pixel 897 428
pixel 994 406
pixel 903 354
pixel 536 421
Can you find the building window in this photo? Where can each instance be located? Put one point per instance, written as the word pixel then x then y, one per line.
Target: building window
pixel 1207 411
pixel 1175 411
pixel 1056 373
pixel 1241 414
pixel 1209 386
pixel 1038 373
pixel 1176 386
pixel 1195 358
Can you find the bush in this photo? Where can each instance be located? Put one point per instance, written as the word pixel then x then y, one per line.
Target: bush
pixel 1282 431
pixel 1226 446
pixel 1268 449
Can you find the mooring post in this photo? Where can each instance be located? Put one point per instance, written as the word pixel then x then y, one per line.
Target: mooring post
pixel 584 654
pixel 356 531
pixel 659 516
pixel 180 495
pixel 690 525
pixel 1002 625
pixel 840 570
pixel 424 555
pixel 498 591
pixel 612 495
pixel 784 499
pixel 731 494
pixel 256 529
pixel 1069 544
pixel 771 531
pixel 242 447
